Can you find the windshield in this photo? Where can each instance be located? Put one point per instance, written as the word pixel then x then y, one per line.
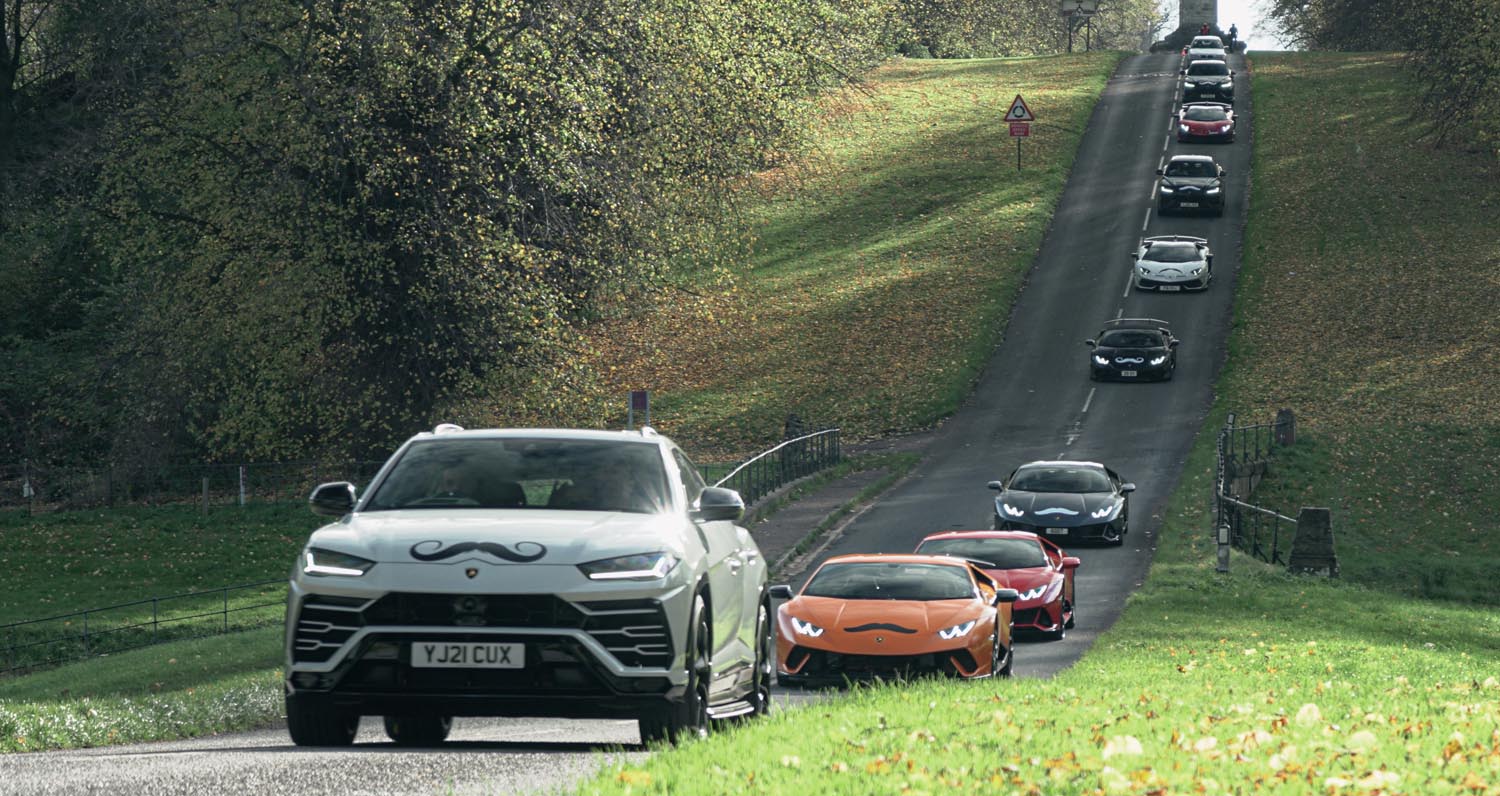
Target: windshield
pixel 1208 69
pixel 1003 553
pixel 891 581
pixel 535 473
pixel 1173 253
pixel 1203 43
pixel 1130 338
pixel 1205 113
pixel 1191 168
pixel 1060 479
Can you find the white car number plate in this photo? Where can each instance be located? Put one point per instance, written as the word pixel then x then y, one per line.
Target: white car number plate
pixel 467 655
pixel 1170 288
pixel 1189 204
pixel 1122 373
pixel 1057 531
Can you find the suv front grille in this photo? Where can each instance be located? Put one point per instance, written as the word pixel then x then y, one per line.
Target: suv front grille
pixel 324 624
pixel 634 631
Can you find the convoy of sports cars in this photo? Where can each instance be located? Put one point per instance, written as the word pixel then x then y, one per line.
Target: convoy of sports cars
pixel 1039 571
pixel 1191 183
pixel 1170 263
pixel 867 616
pixel 1083 501
pixel 527 572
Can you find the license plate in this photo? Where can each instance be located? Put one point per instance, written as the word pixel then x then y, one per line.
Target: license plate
pixel 1189 204
pixel 1170 288
pixel 1057 531
pixel 1122 373
pixel 467 655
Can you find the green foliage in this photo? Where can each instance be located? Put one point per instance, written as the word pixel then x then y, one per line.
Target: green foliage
pixel 311 227
pixel 986 28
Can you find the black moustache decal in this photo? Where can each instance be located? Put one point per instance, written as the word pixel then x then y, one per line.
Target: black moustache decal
pixel 493 548
pixel 879 626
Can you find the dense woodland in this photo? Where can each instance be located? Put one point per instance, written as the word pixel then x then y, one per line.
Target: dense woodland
pixel 273 229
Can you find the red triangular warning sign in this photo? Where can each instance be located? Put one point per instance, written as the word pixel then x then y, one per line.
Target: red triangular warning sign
pixel 1018 111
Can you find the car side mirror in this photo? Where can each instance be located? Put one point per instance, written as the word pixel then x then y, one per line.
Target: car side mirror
pixel 1182 71
pixel 1135 255
pixel 1231 73
pixel 1127 488
pixel 1091 343
pixel 1006 596
pixel 1071 562
pixel 333 499
pixel 780 591
pixel 716 504
pixel 1174 343
pixel 1161 171
pixel 998 486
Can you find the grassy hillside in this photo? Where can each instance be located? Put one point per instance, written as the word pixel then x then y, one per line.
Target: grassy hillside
pixel 1366 306
pixel 882 265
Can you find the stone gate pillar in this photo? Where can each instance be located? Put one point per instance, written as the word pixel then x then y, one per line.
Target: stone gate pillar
pixel 1191 14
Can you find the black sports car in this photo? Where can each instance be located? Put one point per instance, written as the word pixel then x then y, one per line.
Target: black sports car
pixel 1077 500
pixel 1208 80
pixel 1191 182
pixel 1133 349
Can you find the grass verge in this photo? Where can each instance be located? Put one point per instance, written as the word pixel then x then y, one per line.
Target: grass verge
pixel 1259 681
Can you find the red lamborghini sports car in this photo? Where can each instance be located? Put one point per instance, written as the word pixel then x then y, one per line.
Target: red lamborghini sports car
pixel 1037 569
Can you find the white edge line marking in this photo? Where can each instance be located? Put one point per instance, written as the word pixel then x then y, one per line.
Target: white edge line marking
pixel 1119 312
pixel 1089 400
pixel 1147 223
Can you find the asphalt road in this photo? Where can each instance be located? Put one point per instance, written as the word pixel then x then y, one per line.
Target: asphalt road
pixel 1034 401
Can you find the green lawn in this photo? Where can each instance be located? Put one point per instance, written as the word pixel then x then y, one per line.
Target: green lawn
pixel 1366 306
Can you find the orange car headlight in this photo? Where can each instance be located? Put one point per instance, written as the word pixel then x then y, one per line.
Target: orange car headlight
pixel 806 628
pixel 957 630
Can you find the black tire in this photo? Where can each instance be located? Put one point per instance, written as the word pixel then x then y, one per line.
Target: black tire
pixel 995 652
pixel 1072 614
pixel 1010 658
pixel 765 662
pixel 1116 540
pixel 688 718
pixel 1060 633
pixel 314 724
pixel 418 730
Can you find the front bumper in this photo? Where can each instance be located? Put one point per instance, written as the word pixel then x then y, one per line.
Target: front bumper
pixel 1223 138
pixel 1093 532
pixel 1196 201
pixel 587 651
pixel 808 666
pixel 1210 92
pixel 1172 283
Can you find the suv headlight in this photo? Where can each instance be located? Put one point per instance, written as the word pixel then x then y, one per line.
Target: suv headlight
pixel 317 561
pixel 957 630
pixel 1098 360
pixel 1166 189
pixel 1159 360
pixel 1212 190
pixel 806 628
pixel 641 566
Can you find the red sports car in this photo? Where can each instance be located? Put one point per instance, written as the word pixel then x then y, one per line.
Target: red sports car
pixel 1020 560
pixel 1206 121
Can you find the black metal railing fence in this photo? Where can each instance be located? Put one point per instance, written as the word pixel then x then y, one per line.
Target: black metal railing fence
pixel 1244 453
pixel 52 640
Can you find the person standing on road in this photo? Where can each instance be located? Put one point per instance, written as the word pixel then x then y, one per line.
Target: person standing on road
pixel 1234 36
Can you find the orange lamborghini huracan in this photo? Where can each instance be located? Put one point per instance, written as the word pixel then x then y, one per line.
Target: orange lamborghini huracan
pixel 865 616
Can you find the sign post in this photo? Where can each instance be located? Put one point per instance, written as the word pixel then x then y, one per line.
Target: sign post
pixel 640 401
pixel 1020 118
